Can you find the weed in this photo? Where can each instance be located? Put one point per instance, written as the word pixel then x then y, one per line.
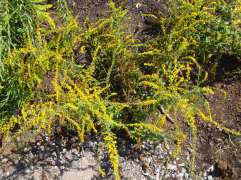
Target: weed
pixel 89 77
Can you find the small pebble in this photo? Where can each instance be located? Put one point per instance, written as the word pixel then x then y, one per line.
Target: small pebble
pixel 180 175
pixel 75 164
pixel 74 151
pixel 211 169
pixel 15 161
pixel 183 170
pixel 47 138
pixel 52 162
pixel 210 178
pixel 42 148
pixel 27 171
pixel 161 156
pixel 181 165
pixel 4 160
pixel 68 155
pixel 171 167
pixel 30 155
pixel 138 5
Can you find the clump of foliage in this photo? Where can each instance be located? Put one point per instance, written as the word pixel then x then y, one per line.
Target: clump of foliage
pixel 85 77
pixel 209 29
pixel 63 91
pixel 192 33
pixel 19 20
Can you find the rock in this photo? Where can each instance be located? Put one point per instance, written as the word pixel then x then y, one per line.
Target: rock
pixel 171 167
pixel 64 150
pixel 46 138
pixel 180 175
pixel 5 160
pixel 167 176
pixel 181 165
pixel 138 5
pixel 183 170
pixel 205 174
pixel 30 155
pixel 75 164
pixel 161 156
pixel 211 169
pixel 1 172
pixel 68 155
pixel 42 148
pixel 210 178
pixel 27 171
pixel 74 151
pixel 186 175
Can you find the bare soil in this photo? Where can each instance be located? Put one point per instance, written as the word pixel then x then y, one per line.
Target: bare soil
pixel 216 147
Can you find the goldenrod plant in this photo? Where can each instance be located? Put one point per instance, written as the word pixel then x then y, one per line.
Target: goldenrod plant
pixel 92 77
pixel 209 28
pixel 60 90
pixel 18 21
pixel 192 33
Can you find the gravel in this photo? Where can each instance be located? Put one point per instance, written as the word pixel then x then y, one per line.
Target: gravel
pixel 59 161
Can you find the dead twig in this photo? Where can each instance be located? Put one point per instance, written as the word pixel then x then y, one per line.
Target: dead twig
pixel 162 111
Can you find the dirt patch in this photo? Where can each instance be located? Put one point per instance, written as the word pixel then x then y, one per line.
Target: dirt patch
pixel 218 150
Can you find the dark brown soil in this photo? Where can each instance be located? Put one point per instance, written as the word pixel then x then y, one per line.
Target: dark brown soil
pixel 216 147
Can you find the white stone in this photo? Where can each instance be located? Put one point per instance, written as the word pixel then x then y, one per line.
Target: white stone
pixel 183 170
pixel 171 167
pixel 27 171
pixel 211 169
pixel 4 160
pixel 186 175
pixel 210 178
pixel 180 175
pixel 181 165
pixel 138 5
